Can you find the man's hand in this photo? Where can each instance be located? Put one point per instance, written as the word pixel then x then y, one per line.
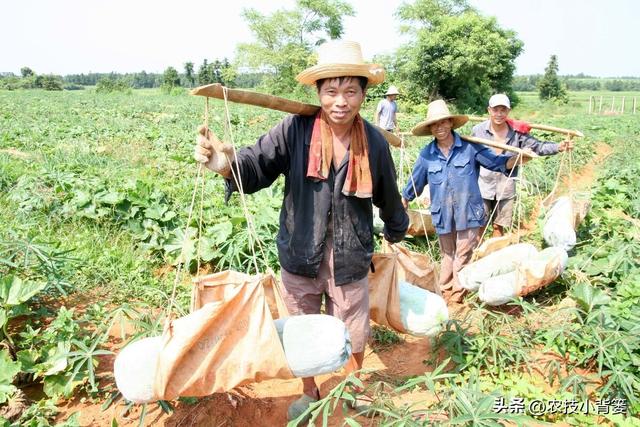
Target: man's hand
pixel 212 152
pixel 566 145
pixel 405 203
pixel 513 160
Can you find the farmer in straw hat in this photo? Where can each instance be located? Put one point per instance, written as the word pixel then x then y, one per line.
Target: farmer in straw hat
pixel 335 165
pixel 450 166
pixel 386 110
pixel 499 191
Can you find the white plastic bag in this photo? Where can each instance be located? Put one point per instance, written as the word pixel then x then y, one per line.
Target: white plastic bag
pixel 497 263
pixel 314 344
pixel 135 369
pixel 499 290
pixel 535 272
pixel 558 229
pixel 422 312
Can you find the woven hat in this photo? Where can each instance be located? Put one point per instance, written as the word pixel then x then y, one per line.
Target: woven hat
pixel 392 90
pixel 499 99
pixel 436 111
pixel 341 58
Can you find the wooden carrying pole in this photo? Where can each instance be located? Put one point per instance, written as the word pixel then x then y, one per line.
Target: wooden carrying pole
pixel 570 132
pixel 499 145
pixel 273 102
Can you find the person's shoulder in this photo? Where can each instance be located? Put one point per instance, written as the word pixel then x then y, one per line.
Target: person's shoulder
pixel 482 126
pixel 375 138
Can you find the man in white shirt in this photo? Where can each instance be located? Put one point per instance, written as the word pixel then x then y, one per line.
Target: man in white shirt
pixel 386 111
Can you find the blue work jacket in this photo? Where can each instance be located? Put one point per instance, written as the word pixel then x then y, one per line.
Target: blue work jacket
pixel 456 202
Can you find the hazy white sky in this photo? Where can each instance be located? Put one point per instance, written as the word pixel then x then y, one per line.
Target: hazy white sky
pixel 596 37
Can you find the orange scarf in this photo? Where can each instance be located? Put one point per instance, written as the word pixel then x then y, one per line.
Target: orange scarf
pixel 358 182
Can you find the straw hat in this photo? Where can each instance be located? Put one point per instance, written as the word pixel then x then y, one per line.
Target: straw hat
pixel 392 91
pixel 341 58
pixel 438 110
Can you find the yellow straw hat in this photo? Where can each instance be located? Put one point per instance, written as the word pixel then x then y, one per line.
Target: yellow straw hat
pixel 436 111
pixel 341 58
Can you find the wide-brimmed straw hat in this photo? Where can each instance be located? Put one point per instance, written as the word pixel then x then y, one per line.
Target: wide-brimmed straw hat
pixel 436 111
pixel 341 58
pixel 392 91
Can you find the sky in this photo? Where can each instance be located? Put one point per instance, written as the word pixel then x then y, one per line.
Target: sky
pixel 594 37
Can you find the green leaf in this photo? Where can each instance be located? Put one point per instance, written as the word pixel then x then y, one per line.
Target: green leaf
pixel 8 370
pixel 14 291
pixel 589 297
pixel 155 211
pixel 109 197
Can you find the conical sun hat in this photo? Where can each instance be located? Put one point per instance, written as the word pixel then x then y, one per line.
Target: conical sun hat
pixel 341 58
pixel 392 90
pixel 436 111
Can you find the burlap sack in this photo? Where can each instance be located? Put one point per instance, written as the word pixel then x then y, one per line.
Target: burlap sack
pixel 493 244
pixel 535 274
pixel 420 223
pixel 395 265
pixel 229 340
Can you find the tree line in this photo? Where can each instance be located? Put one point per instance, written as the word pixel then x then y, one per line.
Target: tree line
pixel 452 52
pixel 529 83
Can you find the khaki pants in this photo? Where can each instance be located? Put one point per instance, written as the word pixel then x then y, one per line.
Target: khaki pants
pixel 456 248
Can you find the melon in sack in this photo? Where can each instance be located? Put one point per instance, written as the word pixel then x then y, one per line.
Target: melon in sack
pixel 497 263
pixel 229 341
pixel 533 274
pixel 558 229
pixel 135 369
pixel 388 271
pixel 314 344
pixel 422 312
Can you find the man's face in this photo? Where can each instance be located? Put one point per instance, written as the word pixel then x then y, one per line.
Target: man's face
pixel 392 97
pixel 341 102
pixel 498 114
pixel 441 129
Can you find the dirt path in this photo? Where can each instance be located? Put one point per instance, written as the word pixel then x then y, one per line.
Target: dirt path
pixel 580 181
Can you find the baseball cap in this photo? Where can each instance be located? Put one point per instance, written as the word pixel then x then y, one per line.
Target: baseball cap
pixel 499 99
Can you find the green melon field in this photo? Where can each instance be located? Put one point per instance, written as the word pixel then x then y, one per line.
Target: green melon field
pixel 95 191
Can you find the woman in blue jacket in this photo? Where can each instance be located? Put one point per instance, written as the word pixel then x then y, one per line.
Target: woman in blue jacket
pixel 450 166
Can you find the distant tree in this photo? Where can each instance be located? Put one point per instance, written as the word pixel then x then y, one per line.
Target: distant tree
pixel 50 82
pixel 110 84
pixel 188 73
pixel 26 72
pixel 549 85
pixel 285 40
pixel 170 77
pixel 204 74
pixel 454 53
pixel 615 85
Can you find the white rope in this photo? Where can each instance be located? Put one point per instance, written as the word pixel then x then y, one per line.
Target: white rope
pixel 253 235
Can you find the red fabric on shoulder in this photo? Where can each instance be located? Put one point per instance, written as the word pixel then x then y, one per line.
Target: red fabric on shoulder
pixel 519 125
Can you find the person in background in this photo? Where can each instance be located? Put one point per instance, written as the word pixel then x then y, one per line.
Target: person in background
pixel 386 110
pixel 450 166
pixel 336 166
pixel 499 191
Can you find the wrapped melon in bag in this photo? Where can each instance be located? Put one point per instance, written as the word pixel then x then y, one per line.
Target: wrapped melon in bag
pixel 389 270
pixel 135 369
pixel 533 274
pixel 559 222
pixel 422 312
pixel 314 344
pixel 499 262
